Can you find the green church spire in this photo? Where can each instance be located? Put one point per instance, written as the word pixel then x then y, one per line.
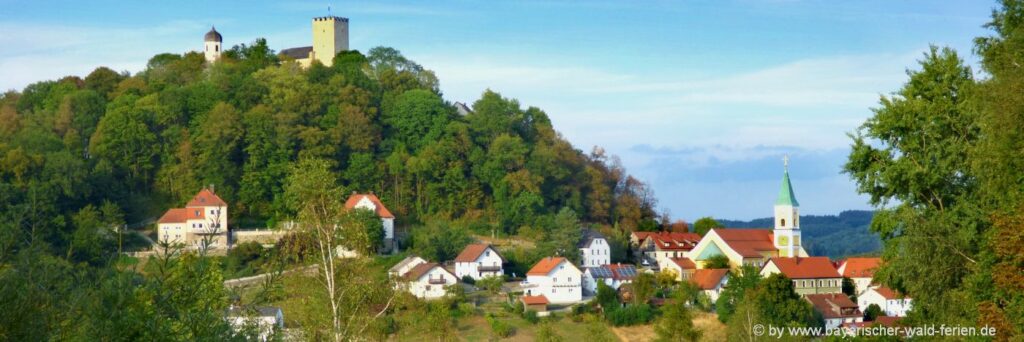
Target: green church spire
pixel 786 196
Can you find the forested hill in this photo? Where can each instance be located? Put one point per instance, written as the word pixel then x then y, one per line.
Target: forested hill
pixel 835 236
pixel 146 142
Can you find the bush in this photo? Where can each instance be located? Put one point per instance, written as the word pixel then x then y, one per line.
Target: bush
pixel 499 328
pixel 468 280
pixel 631 314
pixel 531 316
pixel 492 284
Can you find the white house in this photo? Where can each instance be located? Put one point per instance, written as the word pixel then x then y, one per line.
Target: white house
pixel 683 268
pixel 594 249
pixel 477 261
pixel 203 222
pixel 711 281
pixel 836 308
pixel 265 319
pixel 371 202
pixel 892 303
pixel 657 248
pixel 810 275
pixel 555 278
pixel 429 280
pixel 613 275
pixel 405 265
pixel 860 270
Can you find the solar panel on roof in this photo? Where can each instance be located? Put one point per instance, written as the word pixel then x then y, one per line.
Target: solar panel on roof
pixel 600 272
pixel 627 272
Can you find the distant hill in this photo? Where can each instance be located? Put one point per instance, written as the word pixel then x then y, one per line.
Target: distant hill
pixel 834 236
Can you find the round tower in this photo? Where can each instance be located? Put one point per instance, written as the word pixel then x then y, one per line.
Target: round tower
pixel 212 45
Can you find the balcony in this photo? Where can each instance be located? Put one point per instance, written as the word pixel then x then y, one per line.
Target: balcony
pixel 436 281
pixel 488 268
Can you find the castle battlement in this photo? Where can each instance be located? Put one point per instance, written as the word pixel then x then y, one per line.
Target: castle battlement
pixel 335 18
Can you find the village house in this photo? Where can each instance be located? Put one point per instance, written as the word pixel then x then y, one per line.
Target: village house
pixel 405 265
pixel 656 248
pixel 860 270
pixel 683 268
pixel 428 280
pixel 755 246
pixel 810 275
pixel 891 302
pixel 478 261
pixel 613 275
pixel 537 303
pixel 555 278
pixel 265 319
pixel 594 249
pixel 371 202
pixel 836 309
pixel 711 281
pixel 202 223
pixel 637 237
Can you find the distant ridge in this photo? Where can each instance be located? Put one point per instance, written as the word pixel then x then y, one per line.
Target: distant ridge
pixel 834 236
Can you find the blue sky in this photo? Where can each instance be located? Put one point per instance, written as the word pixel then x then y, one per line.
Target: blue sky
pixel 701 99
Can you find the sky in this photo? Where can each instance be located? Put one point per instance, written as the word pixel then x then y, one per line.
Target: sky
pixel 700 99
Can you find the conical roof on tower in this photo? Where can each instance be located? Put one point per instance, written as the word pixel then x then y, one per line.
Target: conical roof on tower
pixel 786 195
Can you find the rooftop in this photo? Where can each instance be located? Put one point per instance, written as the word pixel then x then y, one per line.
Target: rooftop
pixel 805 267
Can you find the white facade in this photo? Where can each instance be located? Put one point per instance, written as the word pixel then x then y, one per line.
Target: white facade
pixel 590 282
pixel 488 264
pixel 387 222
pixel 265 321
pixel 714 292
pixel 563 284
pixel 597 253
pixel 212 51
pixel 895 307
pixel 432 284
pixel 404 266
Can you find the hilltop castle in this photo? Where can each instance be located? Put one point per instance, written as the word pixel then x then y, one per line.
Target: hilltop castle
pixel 330 36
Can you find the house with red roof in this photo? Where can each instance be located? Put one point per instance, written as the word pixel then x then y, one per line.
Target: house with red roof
pixel 755 246
pixel 479 260
pixel 711 281
pixel 683 268
pixel 810 275
pixel 557 279
pixel 202 223
pixel 371 202
pixel 860 270
pixel 836 309
pixel 613 275
pixel 891 302
pixel 428 280
pixel 660 246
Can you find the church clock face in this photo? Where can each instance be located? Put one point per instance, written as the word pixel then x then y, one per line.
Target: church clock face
pixel 783 241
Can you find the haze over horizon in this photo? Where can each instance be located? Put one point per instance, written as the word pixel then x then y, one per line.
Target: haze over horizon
pixel 700 100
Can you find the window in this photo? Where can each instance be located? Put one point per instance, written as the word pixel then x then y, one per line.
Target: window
pixel 487 253
pixel 216 48
pixel 783 223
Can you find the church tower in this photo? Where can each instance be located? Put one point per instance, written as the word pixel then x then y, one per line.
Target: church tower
pixel 787 217
pixel 330 36
pixel 212 45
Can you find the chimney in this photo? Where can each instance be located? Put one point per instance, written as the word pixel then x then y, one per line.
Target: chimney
pixel 212 189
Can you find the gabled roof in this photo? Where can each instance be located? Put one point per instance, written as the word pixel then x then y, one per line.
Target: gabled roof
pixel 888 293
pixel 684 263
pixel 805 267
pixel 417 272
pixel 405 262
pixel 380 209
pixel 206 198
pixel 641 235
pixel 671 241
pixel 544 266
pixel 708 278
pixel 535 300
pixel 860 267
pixel 182 215
pixel 830 305
pixel 473 252
pixel 589 235
pixel 297 52
pixel 747 242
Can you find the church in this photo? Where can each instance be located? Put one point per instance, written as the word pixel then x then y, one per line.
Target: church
pixel 755 246
pixel 330 36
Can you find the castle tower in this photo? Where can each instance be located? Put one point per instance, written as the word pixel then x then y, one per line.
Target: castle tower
pixel 212 45
pixel 330 36
pixel 787 217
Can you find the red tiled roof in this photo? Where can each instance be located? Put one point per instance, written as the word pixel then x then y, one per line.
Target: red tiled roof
pixel 381 210
pixel 747 242
pixel 535 300
pixel 888 321
pixel 708 278
pixel 181 215
pixel 861 267
pixel 830 305
pixel 622 272
pixel 544 266
pixel 473 252
pixel 805 267
pixel 888 293
pixel 640 236
pixel 674 241
pixel 684 263
pixel 206 198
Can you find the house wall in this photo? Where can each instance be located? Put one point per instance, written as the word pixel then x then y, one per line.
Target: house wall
pixel 599 253
pixel 422 287
pixel 488 258
pixel 717 291
pixel 808 286
pixel 861 284
pixel 562 285
pixel 405 268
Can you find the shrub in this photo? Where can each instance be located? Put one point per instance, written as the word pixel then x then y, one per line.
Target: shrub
pixel 631 314
pixel 499 328
pixel 531 316
pixel 468 280
pixel 492 284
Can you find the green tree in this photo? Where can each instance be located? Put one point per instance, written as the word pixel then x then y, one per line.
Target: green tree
pixel 780 305
pixel 717 261
pixel 644 286
pixel 872 312
pixel 676 322
pixel 705 224
pixel 740 283
pixel 850 289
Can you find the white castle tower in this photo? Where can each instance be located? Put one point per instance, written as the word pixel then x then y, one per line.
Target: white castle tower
pixel 212 45
pixel 330 36
pixel 787 217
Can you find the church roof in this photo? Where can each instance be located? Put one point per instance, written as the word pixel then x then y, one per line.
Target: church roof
pixel 786 196
pixel 213 36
